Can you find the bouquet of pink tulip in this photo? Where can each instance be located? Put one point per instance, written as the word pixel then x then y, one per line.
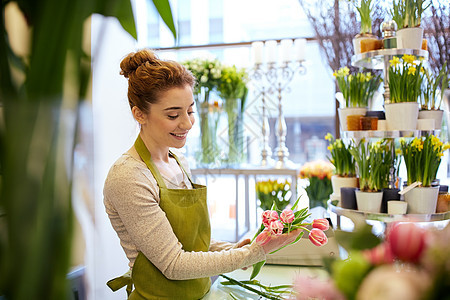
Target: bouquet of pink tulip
pixel 275 223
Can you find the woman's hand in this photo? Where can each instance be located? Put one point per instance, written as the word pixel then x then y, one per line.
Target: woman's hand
pixel 243 243
pixel 277 241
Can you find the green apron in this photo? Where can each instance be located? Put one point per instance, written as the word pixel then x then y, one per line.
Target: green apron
pixel 187 212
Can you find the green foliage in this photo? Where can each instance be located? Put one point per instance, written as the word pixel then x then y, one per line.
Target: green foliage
pixel 422 158
pixel 319 191
pixel 357 89
pixel 348 274
pixel 361 238
pixel 405 79
pixel 373 160
pixel 273 192
pixel 40 109
pixel 341 158
pixel 434 88
pixel 365 10
pixel 408 13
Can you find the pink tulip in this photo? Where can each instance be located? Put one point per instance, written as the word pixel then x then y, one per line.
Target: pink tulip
pixel 381 254
pixel 287 216
pixel 264 237
pixel 268 217
pixel 318 237
pixel 276 227
pixel 321 224
pixel 407 241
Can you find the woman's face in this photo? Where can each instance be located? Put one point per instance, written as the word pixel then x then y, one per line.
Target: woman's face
pixel 170 119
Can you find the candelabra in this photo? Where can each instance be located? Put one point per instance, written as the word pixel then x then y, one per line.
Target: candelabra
pixel 273 78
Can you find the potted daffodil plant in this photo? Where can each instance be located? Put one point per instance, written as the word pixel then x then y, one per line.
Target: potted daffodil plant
pixel 373 162
pixel 365 40
pixel 422 158
pixel 406 75
pixel 433 94
pixel 408 15
pixel 357 90
pixel 344 166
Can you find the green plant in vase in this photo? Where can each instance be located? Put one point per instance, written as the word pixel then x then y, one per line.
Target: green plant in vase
pixel 434 86
pixel 405 79
pixel 408 13
pixel 341 158
pixel 358 88
pixel 233 90
pixel 319 175
pixel 373 161
pixel 364 8
pixel 422 158
pixel 208 73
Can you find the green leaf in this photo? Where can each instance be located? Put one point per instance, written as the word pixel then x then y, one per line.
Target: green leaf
pixel 257 268
pixel 360 239
pixel 164 10
pixel 122 10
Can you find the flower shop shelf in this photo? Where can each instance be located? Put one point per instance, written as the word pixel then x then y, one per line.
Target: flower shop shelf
pixel 378 59
pixel 386 218
pixel 387 134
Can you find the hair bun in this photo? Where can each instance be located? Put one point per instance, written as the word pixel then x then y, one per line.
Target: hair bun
pixel 135 59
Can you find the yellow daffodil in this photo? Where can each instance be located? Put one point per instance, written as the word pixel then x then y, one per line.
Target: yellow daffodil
pixel 411 70
pixel 409 59
pixel 394 61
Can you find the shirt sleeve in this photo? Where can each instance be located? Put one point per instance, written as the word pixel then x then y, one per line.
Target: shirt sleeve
pixel 132 198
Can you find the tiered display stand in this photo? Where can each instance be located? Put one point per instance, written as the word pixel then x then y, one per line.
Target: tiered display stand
pixel 379 59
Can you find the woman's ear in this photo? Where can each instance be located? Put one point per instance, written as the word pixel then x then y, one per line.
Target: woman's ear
pixel 138 115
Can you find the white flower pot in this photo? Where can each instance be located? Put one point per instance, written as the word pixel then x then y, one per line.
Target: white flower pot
pixel 422 200
pixel 436 115
pixel 349 111
pixel 338 182
pixel 369 202
pixel 410 38
pixel 402 116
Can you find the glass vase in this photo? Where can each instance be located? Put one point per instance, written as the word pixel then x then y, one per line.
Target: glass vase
pixel 234 112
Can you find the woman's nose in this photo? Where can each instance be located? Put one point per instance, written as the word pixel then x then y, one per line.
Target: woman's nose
pixel 187 122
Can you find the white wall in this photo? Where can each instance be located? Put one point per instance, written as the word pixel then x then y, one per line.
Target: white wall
pixel 114 133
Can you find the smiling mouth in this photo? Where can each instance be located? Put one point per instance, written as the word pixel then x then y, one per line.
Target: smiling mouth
pixel 179 135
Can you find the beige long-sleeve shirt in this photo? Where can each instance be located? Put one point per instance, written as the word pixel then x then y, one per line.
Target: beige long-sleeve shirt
pixel 131 199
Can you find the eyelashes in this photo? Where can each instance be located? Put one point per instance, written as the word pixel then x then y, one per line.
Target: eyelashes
pixel 190 113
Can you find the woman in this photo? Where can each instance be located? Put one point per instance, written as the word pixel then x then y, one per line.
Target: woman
pixel 159 214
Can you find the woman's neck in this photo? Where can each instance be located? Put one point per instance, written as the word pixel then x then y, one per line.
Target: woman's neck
pixel 157 152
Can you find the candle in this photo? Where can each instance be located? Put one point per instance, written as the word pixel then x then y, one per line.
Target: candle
pixel 300 49
pixel 257 51
pixel 286 50
pixel 271 51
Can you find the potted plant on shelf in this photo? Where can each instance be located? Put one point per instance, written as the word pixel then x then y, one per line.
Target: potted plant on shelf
pixel 233 90
pixel 319 189
pixel 365 40
pixel 344 167
pixel 433 94
pixel 422 158
pixel 405 79
pixel 408 15
pixel 357 91
pixel 373 162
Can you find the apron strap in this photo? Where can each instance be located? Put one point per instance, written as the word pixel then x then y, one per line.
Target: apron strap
pixel 182 168
pixel 147 158
pixel 117 283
